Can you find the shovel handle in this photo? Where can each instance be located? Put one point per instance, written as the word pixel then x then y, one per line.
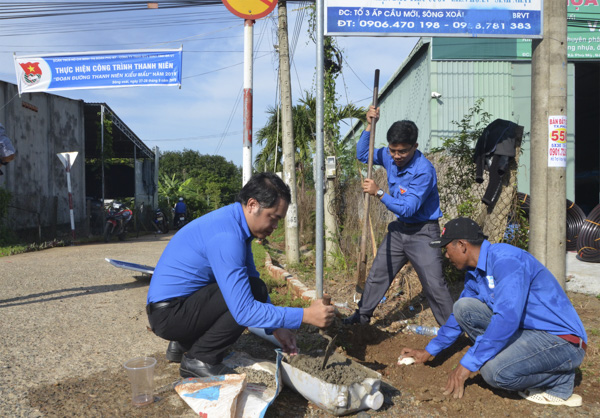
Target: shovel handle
pixel 326 299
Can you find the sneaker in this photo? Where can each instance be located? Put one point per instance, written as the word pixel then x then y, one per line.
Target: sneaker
pixel 356 318
pixel 544 398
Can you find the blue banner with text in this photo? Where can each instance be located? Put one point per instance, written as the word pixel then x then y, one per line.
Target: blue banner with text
pixel 98 70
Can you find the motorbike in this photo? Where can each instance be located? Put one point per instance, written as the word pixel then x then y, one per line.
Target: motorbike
pixel 161 223
pixel 179 220
pixel 117 217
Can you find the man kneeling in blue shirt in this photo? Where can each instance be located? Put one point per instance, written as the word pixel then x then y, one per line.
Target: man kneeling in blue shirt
pixel 526 334
pixel 206 290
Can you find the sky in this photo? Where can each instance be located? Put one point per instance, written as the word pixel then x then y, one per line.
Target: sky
pixel 206 113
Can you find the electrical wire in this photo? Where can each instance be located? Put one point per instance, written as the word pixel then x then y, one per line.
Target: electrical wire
pixel 588 241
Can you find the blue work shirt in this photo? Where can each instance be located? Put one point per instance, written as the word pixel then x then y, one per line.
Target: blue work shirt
pixel 521 293
pixel 216 248
pixel 413 194
pixel 180 207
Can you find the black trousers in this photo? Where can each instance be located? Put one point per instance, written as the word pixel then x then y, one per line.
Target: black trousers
pixel 202 323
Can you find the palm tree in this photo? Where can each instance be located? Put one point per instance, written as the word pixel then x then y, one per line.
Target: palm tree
pixel 304 114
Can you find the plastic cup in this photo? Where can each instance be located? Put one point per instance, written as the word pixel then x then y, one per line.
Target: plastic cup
pixel 141 376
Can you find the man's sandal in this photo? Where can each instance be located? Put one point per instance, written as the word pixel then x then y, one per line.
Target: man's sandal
pixel 547 399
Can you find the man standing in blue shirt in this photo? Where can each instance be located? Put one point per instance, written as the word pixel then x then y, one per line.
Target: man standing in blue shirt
pixel 413 197
pixel 206 290
pixel 180 209
pixel 526 334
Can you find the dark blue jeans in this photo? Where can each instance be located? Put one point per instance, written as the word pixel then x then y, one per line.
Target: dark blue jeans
pixel 531 359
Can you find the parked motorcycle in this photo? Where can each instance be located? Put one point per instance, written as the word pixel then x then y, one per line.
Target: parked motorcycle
pixel 161 223
pixel 179 220
pixel 117 217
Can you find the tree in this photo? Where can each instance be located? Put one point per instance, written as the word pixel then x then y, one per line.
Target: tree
pixel 269 136
pixel 304 114
pixel 206 182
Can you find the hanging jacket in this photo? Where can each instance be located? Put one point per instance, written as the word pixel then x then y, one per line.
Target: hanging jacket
pixel 493 151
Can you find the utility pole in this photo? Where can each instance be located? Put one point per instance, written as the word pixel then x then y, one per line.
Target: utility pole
pixel 329 137
pixel 287 141
pixel 547 219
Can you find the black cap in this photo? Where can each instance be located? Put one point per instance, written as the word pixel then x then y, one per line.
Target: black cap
pixel 459 228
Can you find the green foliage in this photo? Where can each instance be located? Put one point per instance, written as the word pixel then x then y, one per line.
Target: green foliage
pixel 6 250
pixel 270 137
pixel 456 152
pixel 288 300
pixel 206 182
pixel 304 122
pixel 517 233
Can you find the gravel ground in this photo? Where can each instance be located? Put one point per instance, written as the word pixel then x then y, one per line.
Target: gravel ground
pixel 66 312
pixel 69 320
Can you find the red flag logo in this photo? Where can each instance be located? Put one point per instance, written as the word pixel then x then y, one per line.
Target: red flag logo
pixel 32 70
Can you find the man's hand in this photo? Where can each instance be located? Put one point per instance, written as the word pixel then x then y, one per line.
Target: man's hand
pixel 370 187
pixel 456 381
pixel 420 356
pixel 319 314
pixel 287 339
pixel 372 113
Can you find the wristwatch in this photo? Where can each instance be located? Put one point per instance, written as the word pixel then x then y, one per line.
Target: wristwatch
pixel 380 193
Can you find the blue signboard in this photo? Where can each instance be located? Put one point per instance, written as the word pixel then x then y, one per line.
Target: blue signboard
pixel 476 18
pixel 98 70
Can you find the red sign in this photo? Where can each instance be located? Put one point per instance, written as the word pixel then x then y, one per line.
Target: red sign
pixel 250 9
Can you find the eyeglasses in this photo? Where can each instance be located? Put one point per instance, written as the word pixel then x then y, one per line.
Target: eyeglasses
pixel 399 152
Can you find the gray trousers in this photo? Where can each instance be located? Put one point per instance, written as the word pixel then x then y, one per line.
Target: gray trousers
pixel 403 243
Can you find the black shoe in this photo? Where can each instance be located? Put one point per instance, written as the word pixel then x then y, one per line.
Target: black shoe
pixel 175 352
pixel 356 318
pixel 191 367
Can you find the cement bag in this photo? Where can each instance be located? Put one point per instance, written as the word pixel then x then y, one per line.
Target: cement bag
pixel 213 397
pixel 256 398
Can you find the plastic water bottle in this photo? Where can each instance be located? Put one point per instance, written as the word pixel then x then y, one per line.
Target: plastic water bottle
pixel 419 329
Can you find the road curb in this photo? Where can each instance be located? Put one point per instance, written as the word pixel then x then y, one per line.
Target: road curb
pixel 298 288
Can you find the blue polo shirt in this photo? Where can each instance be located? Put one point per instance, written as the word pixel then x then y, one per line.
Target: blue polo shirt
pixel 216 248
pixel 413 194
pixel 521 293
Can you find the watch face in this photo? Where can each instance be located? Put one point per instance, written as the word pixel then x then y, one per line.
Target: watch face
pixel 379 192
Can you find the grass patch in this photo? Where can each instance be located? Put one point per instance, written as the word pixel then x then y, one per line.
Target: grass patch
pixel 278 291
pixel 12 250
pixel 287 299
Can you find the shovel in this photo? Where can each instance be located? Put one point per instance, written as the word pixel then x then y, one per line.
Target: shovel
pixel 330 348
pixel 330 345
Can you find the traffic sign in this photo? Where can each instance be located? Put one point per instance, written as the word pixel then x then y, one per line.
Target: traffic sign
pixel 250 9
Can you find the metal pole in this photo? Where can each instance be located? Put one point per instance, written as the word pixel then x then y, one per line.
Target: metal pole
pixel 156 167
pixel 102 156
pixel 320 151
pixel 69 190
pixel 247 147
pixel 548 181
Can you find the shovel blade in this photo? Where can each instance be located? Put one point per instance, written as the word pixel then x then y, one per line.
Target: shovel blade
pixel 328 351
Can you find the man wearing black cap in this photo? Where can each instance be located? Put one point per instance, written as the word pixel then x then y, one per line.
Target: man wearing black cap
pixel 527 337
